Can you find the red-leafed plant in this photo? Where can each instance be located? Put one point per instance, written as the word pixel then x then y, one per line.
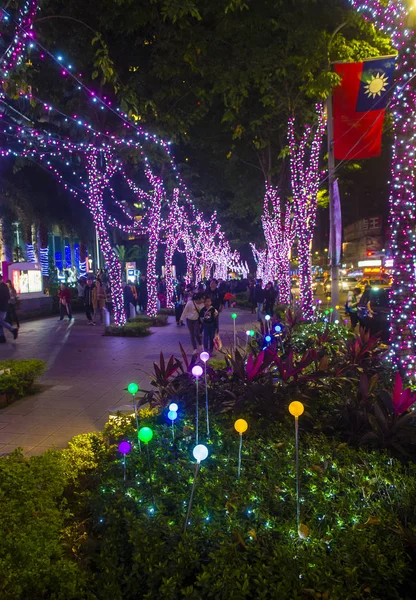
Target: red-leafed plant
pixel 288 369
pixel 402 399
pixel 256 366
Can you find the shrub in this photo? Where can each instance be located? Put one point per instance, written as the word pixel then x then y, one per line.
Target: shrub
pixel 35 552
pixel 167 311
pixel 242 540
pixel 158 321
pixel 17 377
pixel 139 329
pixel 242 300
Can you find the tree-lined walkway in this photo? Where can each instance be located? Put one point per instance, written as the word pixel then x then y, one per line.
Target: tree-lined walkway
pixel 86 377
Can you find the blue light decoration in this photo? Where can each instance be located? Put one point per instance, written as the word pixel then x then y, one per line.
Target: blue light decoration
pixel 44 261
pixel 76 255
pixel 268 339
pixel 83 269
pixel 30 253
pixel 68 257
pixel 58 260
pixel 278 328
pixel 172 415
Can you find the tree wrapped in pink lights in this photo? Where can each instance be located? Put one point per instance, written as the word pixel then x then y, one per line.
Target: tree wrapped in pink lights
pixel 175 229
pixel 279 232
pixel 261 260
pixel 393 18
pixel 305 177
pixel 101 166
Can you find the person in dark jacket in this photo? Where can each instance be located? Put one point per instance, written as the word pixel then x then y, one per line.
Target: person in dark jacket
pixel 259 297
pixel 128 299
pixel 269 298
pixel 208 317
pixel 12 316
pixel 143 294
pixel 64 296
pixel 4 303
pixel 88 301
pixel 178 300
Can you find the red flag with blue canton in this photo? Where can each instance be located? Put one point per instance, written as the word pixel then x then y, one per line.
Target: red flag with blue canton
pixel 359 105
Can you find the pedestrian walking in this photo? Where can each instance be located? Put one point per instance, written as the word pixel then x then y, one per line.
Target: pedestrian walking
pixel 12 316
pixel 259 297
pixel 178 300
pixel 88 301
pixel 81 287
pixel 143 294
pixel 352 306
pixel 128 299
pixel 269 298
pixel 208 316
pixel 190 315
pixel 4 303
pixel 99 297
pixel 64 296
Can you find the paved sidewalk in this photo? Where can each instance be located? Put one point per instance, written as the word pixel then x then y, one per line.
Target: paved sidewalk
pixel 86 376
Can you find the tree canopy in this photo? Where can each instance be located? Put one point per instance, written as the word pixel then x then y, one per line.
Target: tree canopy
pixel 218 78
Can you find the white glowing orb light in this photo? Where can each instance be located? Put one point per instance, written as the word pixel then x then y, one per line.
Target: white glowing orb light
pixel 200 453
pixel 247 332
pixel 173 407
pixel 204 356
pixel 267 317
pixel 197 371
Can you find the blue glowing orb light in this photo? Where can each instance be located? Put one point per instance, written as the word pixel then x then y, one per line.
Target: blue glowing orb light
pixel 172 415
pixel 268 339
pixel 278 328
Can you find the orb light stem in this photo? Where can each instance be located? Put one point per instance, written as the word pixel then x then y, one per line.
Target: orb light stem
pixel 188 512
pixel 297 472
pixel 206 399
pixel 196 415
pixel 239 455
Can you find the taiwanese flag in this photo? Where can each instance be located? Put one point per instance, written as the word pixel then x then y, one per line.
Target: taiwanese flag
pixel 359 104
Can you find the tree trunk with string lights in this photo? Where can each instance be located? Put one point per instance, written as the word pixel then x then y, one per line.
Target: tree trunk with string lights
pixel 395 19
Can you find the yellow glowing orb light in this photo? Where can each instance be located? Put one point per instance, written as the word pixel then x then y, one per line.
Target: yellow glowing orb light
pixel 296 409
pixel 241 427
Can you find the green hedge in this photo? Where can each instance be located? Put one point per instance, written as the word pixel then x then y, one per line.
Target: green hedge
pixel 73 528
pixel 158 321
pixel 140 329
pixel 17 377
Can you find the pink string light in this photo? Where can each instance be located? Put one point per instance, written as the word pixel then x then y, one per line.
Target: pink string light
pixel 305 176
pixel 393 19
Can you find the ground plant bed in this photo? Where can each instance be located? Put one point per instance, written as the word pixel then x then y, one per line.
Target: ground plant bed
pixel 129 512
pixel 135 329
pixel 18 378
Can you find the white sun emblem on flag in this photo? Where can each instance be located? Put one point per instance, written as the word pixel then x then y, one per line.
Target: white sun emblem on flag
pixel 376 85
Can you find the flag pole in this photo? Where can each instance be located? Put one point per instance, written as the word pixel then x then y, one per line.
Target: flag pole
pixel 333 254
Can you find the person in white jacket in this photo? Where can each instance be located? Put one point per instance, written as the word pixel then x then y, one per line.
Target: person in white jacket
pixel 190 315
